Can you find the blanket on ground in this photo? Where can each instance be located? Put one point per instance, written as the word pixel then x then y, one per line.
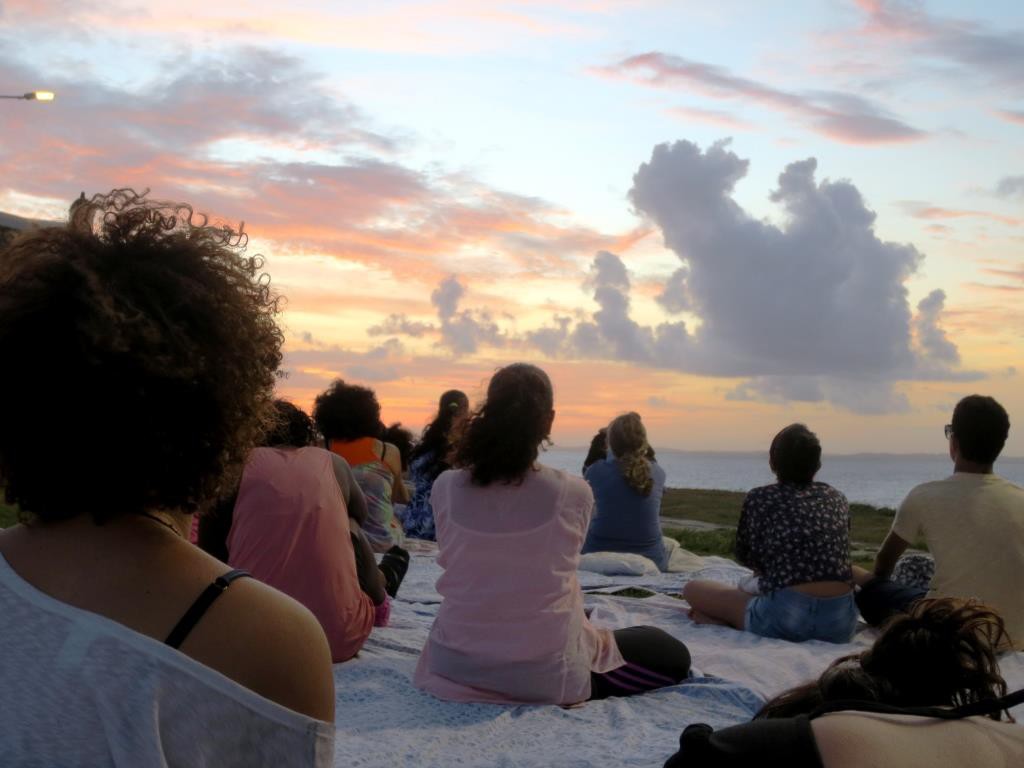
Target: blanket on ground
pixel 382 720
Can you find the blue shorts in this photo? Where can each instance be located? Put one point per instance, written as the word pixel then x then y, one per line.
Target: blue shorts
pixel 791 615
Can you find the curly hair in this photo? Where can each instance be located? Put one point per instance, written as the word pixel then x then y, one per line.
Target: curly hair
pixel 292 426
pixel 503 437
pixel 795 455
pixel 347 412
pixel 435 438
pixel 628 440
pixel 401 438
pixel 142 334
pixel 941 654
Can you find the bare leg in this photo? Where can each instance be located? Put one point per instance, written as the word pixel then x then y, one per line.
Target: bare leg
pixel 712 602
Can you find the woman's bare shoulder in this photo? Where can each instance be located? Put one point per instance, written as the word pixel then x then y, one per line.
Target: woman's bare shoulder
pixel 269 643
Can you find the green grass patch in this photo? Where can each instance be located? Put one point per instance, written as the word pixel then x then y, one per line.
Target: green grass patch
pixel 868 524
pixel 718 542
pixel 8 514
pixel 633 592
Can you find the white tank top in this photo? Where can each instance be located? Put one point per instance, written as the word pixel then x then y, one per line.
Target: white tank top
pixel 77 689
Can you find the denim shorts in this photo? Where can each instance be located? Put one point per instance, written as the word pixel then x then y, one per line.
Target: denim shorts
pixel 791 615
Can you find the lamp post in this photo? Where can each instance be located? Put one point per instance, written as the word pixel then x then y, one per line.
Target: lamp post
pixel 33 96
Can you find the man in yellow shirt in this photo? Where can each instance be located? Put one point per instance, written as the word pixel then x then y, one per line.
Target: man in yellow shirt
pixel 972 522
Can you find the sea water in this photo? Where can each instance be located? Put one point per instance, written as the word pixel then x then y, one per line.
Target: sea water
pixel 879 479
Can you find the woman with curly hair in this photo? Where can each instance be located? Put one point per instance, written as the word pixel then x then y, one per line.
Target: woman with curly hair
pixel 627 487
pixel 795 536
pixel 511 627
pixel 928 692
pixel 429 459
pixel 147 332
pixel 348 416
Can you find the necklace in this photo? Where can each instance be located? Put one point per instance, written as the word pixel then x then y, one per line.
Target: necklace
pixel 163 522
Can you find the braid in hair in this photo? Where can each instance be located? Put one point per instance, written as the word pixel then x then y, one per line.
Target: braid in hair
pixel 628 440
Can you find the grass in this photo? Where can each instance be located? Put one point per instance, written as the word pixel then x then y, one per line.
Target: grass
pixel 8 514
pixel 868 524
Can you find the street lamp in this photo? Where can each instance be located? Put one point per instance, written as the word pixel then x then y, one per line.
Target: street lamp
pixel 33 96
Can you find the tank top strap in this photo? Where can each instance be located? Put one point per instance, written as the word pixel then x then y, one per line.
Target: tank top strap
pixel 195 612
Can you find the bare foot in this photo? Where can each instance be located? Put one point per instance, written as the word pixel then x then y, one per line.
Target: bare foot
pixel 703 618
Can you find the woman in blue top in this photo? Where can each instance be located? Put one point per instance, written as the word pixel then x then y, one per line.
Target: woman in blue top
pixel 429 459
pixel 627 487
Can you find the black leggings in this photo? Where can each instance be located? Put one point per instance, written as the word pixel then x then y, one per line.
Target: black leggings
pixel 654 659
pixel 393 565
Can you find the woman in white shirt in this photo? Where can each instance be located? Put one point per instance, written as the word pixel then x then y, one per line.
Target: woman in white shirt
pixel 139 347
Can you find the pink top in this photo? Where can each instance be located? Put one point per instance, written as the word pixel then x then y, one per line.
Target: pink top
pixel 511 627
pixel 290 530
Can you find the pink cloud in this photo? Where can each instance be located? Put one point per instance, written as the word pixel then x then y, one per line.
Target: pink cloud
pixel 1015 116
pixel 713 117
pixel 838 116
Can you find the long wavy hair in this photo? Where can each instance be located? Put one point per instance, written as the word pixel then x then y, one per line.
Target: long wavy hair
pixel 452 404
pixel 627 439
pixel 941 654
pixel 503 437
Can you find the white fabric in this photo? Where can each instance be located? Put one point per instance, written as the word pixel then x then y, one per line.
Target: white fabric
pixel 385 722
pixel 618 564
pixel 681 560
pixel 77 689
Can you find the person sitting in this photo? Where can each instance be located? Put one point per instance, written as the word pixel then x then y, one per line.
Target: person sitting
pixel 627 489
pixel 972 523
pixel 403 440
pixel 348 416
pixel 598 450
pixel 294 524
pixel 149 335
pixel 928 692
pixel 795 535
pixel 429 459
pixel 511 626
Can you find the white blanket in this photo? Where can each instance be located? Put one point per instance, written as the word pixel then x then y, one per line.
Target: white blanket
pixel 382 720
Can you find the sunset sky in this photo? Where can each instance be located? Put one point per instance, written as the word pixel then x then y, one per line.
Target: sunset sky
pixel 727 216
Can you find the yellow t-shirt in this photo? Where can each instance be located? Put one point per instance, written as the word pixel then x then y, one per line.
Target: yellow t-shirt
pixel 974 527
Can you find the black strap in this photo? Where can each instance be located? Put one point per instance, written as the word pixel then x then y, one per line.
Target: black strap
pixel 200 606
pixel 984 707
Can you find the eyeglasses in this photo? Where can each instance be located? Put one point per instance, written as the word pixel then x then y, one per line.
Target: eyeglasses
pixel 948 430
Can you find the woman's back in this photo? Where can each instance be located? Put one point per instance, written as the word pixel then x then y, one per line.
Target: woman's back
pixel 511 627
pixel 290 530
pixel 376 480
pixel 92 692
pixel 89 681
pixel 624 519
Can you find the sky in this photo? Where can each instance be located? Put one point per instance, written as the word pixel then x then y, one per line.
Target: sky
pixel 727 217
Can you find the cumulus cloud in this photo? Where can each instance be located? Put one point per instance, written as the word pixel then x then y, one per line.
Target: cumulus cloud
pixel 400 325
pixel 1011 186
pixel 462 332
pixel 842 117
pixel 813 309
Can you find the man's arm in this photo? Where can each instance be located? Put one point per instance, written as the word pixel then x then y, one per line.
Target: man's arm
pixel 350 490
pixel 888 554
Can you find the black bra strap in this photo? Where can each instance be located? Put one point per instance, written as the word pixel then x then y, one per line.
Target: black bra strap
pixel 985 707
pixel 200 606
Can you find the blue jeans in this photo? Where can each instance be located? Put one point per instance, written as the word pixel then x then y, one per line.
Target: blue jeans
pixel 791 615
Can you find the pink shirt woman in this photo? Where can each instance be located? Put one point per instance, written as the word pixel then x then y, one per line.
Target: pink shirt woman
pixel 512 627
pixel 291 530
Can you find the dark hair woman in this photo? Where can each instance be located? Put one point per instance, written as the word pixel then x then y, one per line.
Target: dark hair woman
pixel 795 535
pixel 627 488
pixel 429 459
pixel 164 329
pixel 348 416
pixel 511 626
pixel 928 692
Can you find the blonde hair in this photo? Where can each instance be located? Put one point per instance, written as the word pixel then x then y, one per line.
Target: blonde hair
pixel 627 440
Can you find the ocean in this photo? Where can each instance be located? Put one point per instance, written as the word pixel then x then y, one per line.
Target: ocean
pixel 879 479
